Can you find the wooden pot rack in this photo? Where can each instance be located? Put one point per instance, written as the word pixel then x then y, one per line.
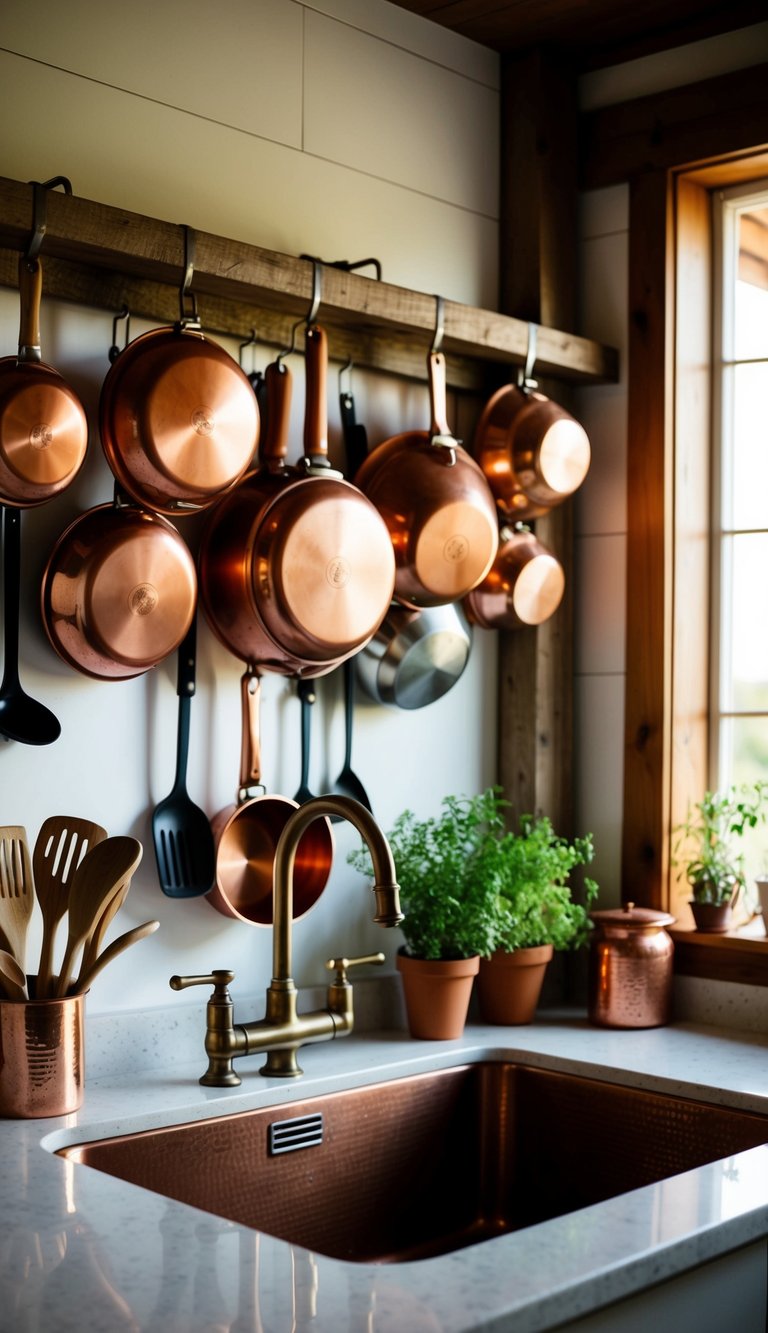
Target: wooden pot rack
pixel 107 258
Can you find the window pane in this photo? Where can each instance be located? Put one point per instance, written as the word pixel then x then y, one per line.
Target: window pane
pixel 747 407
pixel 746 738
pixel 751 309
pixel 746 557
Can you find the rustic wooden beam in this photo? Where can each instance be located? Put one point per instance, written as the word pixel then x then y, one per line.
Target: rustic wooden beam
pixel 538 270
pixel 695 123
pixel 102 240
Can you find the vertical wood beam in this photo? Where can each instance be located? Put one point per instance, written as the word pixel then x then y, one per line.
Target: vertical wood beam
pixel 538 283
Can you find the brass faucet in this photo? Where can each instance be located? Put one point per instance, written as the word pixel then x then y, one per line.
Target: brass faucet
pixel 282 1030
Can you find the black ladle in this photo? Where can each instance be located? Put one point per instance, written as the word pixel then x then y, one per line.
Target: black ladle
pixel 184 846
pixel 348 783
pixel 21 718
pixel 306 693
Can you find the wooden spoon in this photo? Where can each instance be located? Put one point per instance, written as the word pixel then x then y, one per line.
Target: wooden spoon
pixel 16 890
pixel 92 945
pixel 100 875
pixel 111 952
pixel 12 979
pixel 61 844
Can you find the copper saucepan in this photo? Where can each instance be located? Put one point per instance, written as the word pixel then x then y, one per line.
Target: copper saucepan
pixel 247 834
pixel 436 504
pixel 43 427
pixel 534 454
pixel 296 577
pixel 118 592
pixel 179 419
pixel 524 586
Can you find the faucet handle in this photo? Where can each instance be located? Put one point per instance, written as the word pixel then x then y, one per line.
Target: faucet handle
pixel 340 965
pixel 219 979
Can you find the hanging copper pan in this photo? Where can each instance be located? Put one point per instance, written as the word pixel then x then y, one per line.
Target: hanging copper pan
pixel 534 454
pixel 247 834
pixel 436 504
pixel 296 577
pixel 43 427
pixel 524 587
pixel 118 592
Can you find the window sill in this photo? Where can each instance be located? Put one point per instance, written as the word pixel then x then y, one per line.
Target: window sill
pixel 741 958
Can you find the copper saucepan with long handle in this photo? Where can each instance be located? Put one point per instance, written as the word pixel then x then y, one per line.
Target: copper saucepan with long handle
pixel 118 592
pixel 296 578
pixel 436 504
pixel 247 834
pixel 43 427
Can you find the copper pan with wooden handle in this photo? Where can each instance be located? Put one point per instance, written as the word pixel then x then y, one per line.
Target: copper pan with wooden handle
pixel 43 427
pixel 533 453
pixel 436 504
pixel 297 573
pixel 524 586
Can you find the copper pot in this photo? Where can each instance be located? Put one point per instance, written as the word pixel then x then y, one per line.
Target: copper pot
pixel 630 968
pixel 247 834
pixel 524 587
pixel 436 504
pixel 179 420
pixel 43 427
pixel 296 568
pixel 118 592
pixel 533 453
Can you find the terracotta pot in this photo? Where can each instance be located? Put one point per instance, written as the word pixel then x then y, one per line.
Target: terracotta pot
pixel 509 984
pixel 437 995
pixel 714 918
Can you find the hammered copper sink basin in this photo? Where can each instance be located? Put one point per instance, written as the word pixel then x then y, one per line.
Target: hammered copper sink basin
pixel 429 1163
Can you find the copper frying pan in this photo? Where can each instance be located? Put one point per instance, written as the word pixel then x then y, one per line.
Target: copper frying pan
pixel 436 504
pixel 118 592
pixel 43 427
pixel 296 578
pixel 179 419
pixel 247 834
pixel 534 454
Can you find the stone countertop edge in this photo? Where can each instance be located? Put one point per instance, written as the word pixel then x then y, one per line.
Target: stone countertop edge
pixel 538 1277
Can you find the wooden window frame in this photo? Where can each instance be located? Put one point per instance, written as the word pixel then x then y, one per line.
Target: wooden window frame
pixel 673 150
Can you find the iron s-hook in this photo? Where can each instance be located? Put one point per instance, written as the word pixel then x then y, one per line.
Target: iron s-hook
pixel 525 380
pixel 314 306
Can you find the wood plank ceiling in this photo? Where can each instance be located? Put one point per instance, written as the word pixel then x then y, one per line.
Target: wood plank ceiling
pixel 596 33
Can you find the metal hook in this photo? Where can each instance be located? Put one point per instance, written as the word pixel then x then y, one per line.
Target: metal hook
pixel 255 376
pixel 437 340
pixel 188 317
pixel 311 315
pixel 39 212
pixel 525 380
pixel 348 365
pixel 114 350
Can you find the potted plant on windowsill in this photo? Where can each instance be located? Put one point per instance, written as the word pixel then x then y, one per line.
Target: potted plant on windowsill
pixel 540 915
pixel 450 872
pixel 706 846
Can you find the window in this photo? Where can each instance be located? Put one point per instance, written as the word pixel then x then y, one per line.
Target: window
pixel 739 683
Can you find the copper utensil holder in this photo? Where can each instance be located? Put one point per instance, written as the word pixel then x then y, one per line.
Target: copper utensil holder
pixel 42 1056
pixel 630 968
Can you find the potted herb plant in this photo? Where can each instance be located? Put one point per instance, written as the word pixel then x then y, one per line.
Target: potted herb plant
pixel 707 845
pixel 450 869
pixel 539 916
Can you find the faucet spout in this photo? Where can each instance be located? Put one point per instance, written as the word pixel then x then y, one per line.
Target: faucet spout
pixel 385 888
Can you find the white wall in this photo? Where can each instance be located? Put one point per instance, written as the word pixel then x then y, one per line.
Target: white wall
pixel 335 128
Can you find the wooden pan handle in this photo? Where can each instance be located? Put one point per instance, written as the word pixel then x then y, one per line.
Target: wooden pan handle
pixel 316 416
pixel 250 753
pixel 279 385
pixel 30 296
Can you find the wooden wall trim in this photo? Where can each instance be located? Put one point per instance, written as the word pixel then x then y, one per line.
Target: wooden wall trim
pixel 695 123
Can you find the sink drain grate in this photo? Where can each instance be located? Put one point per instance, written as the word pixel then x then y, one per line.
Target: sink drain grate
pixel 304 1131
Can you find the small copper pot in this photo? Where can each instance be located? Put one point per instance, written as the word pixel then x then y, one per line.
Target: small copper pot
pixel 630 968
pixel 524 586
pixel 533 453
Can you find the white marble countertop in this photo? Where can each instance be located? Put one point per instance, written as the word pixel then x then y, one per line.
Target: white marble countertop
pixel 84 1252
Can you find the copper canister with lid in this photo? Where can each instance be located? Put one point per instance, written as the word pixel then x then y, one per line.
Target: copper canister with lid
pixel 630 968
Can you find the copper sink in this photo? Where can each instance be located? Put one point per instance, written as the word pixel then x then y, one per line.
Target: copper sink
pixel 426 1164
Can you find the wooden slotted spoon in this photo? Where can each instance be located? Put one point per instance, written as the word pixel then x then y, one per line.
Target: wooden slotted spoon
pixel 61 844
pixel 101 875
pixel 16 891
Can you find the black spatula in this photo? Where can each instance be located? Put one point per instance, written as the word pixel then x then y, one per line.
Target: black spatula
pixel 184 846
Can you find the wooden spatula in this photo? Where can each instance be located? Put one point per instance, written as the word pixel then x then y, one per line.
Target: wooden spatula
pixel 16 890
pixel 100 875
pixel 61 844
